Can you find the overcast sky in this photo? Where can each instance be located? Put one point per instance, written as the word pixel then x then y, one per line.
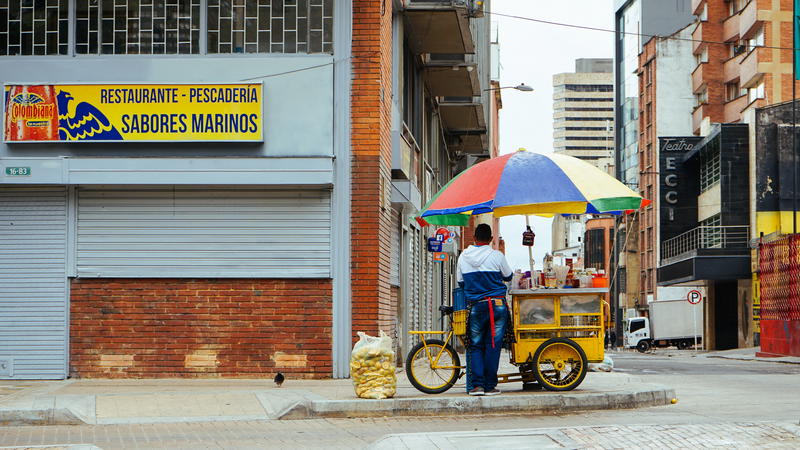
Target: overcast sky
pixel 532 53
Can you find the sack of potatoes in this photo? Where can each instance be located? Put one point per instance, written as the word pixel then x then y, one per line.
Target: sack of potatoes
pixel 372 366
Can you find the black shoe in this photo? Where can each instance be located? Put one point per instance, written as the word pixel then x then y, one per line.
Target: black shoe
pixel 476 391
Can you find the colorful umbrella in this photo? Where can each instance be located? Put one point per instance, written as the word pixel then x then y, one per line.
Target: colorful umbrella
pixel 529 183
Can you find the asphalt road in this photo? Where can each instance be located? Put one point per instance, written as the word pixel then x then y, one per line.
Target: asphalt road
pixel 685 362
pixel 721 403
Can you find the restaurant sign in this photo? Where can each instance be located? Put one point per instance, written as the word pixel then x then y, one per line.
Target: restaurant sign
pixel 133 112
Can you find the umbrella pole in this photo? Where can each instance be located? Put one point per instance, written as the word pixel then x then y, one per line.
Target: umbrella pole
pixel 530 250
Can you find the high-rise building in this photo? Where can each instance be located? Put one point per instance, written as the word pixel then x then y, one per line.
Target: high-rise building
pixel 583 115
pixel 635 20
pixel 583 112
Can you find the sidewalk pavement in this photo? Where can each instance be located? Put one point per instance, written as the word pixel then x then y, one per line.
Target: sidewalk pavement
pixel 667 436
pixel 749 354
pixel 123 401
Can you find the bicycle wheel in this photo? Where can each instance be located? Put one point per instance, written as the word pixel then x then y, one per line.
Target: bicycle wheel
pixel 429 379
pixel 559 364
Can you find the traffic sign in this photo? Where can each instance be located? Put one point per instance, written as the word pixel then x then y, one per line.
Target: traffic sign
pixel 694 296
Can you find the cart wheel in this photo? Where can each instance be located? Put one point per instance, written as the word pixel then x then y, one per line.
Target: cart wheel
pixel 643 346
pixel 426 378
pixel 559 364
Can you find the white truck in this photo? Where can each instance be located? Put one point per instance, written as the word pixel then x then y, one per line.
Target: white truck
pixel 671 323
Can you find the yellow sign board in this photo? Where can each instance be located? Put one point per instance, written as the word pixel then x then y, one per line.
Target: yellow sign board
pixel 134 112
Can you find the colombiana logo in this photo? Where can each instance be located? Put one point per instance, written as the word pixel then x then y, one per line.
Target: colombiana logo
pixel 31 108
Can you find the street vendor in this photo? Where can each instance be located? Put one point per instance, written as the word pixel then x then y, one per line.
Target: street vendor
pixel 482 274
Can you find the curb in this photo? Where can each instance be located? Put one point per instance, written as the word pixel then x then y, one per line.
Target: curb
pixel 60 416
pixel 66 413
pixel 547 403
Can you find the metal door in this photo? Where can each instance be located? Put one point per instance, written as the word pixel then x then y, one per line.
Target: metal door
pixel 33 282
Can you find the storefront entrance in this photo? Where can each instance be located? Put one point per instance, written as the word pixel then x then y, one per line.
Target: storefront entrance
pixel 726 315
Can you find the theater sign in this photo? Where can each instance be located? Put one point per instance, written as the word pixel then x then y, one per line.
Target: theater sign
pixel 133 112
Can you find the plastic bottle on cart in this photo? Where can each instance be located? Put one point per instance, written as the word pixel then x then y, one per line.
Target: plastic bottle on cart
pixel 550 280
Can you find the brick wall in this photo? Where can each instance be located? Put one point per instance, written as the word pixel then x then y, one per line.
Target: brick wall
pixel 147 328
pixel 648 156
pixel 372 303
pixel 712 73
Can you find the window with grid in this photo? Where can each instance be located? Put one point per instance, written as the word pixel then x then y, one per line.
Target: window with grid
pixel 710 166
pixel 137 27
pixel 594 250
pixel 42 27
pixel 34 27
pixel 270 26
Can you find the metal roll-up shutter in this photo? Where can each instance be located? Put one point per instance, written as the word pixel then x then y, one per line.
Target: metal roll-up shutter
pixel 33 282
pixel 197 231
pixel 396 245
pixel 414 291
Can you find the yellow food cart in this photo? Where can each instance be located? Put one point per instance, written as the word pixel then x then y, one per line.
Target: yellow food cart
pixel 557 333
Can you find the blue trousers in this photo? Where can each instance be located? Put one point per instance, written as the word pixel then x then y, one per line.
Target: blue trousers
pixel 482 359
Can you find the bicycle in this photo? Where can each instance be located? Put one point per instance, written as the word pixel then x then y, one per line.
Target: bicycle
pixel 433 366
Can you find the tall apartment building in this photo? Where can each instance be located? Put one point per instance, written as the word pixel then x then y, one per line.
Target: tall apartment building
pixel 665 107
pixel 723 184
pixel 583 116
pixel 750 70
pixel 244 204
pixel 634 19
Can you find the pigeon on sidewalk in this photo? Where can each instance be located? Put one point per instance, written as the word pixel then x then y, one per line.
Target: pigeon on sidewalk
pixel 279 379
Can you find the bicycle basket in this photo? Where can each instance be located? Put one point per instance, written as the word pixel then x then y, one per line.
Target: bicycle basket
pixel 459 312
pixel 460 322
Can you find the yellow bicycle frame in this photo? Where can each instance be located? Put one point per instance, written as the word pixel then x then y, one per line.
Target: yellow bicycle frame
pixel 435 361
